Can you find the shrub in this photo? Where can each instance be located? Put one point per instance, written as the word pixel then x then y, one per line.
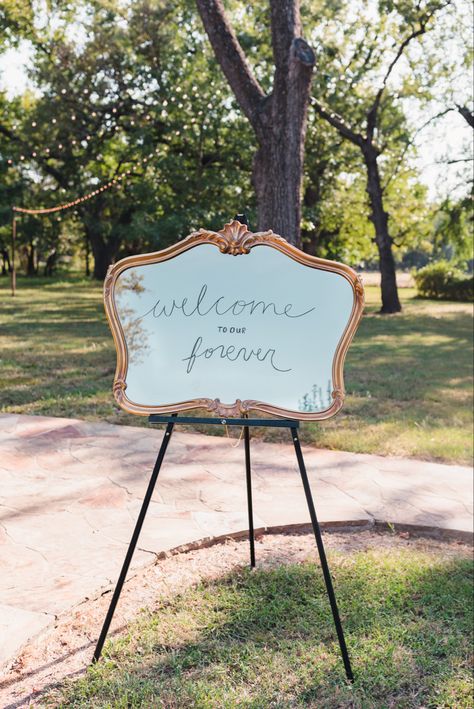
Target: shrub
pixel 443 281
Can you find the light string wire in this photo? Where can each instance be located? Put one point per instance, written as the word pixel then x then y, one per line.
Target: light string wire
pixel 135 121
pixel 116 181
pixel 68 205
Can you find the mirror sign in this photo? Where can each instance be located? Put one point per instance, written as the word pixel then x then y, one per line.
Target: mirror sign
pixel 195 327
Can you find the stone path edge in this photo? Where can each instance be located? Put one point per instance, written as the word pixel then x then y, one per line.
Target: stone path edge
pixel 348 526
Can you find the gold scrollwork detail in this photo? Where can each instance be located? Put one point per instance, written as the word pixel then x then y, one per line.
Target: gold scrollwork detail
pixel 338 396
pixel 119 390
pixel 108 281
pixel 359 287
pixel 235 238
pixel 237 408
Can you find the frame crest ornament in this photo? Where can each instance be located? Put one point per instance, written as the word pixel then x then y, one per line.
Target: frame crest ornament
pixel 234 239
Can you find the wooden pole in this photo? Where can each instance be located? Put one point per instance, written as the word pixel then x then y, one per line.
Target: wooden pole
pixel 13 272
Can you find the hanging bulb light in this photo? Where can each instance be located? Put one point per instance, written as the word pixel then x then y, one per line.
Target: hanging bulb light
pixel 116 181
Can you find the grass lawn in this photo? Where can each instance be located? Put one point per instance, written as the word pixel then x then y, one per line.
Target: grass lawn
pixel 408 377
pixel 266 639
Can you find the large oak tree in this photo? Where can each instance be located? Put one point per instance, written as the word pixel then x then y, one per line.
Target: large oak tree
pixel 278 118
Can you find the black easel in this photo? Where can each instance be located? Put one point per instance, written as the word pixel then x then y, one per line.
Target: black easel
pixel 246 423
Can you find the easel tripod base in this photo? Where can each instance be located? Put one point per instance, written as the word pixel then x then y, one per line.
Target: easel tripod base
pixel 246 423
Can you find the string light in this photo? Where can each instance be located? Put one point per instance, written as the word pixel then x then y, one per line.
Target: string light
pixel 84 140
pixel 67 205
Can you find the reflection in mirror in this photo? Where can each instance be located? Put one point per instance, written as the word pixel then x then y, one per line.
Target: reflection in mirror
pixel 317 399
pixel 136 336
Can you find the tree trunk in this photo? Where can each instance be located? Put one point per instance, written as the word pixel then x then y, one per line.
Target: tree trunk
pixel 31 269
pixel 87 256
pixel 276 178
pixel 6 265
pixel 278 119
pixel 102 257
pixel 379 218
pixel 278 164
pixel 50 263
pixel 101 250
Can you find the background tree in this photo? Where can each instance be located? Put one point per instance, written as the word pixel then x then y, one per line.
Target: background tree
pixel 363 109
pixel 135 90
pixel 130 96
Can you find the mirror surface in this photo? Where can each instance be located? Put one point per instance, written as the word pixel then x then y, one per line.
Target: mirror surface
pixel 257 326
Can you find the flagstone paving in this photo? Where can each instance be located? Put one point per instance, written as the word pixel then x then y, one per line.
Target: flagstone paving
pixel 71 491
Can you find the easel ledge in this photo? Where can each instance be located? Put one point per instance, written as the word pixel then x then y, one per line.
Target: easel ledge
pixel 276 423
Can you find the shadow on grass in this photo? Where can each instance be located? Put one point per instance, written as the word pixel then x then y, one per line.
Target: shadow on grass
pixel 266 639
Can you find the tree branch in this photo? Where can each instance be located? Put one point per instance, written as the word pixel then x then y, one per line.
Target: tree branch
pixel 286 26
pixel 372 112
pixel 454 161
pixel 466 114
pixel 410 142
pixel 232 60
pixel 338 122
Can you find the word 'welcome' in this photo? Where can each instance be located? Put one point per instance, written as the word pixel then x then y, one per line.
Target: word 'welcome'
pixel 203 305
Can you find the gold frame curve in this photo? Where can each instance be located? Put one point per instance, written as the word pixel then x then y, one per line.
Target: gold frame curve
pixel 234 239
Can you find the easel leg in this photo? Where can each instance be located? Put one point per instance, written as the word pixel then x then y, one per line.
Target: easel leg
pixel 133 542
pixel 322 556
pixel 249 495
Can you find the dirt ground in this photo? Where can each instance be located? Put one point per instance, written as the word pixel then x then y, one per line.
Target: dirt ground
pixel 66 649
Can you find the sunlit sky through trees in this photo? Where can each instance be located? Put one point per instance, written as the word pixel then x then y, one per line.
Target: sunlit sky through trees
pixel 443 146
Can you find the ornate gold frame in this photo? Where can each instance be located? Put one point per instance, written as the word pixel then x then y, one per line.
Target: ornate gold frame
pixel 234 239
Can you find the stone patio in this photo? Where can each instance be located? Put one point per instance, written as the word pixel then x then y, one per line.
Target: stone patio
pixel 72 490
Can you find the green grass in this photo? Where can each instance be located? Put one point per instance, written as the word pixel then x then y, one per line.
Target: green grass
pixel 408 377
pixel 266 640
